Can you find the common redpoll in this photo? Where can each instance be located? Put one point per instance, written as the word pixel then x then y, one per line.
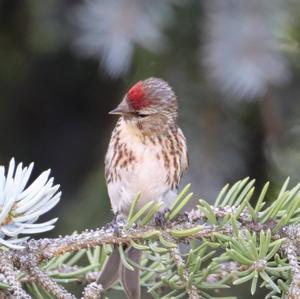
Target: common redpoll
pixel 147 153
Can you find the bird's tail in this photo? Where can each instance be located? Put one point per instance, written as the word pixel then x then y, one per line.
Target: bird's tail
pixel 110 273
pixel 114 270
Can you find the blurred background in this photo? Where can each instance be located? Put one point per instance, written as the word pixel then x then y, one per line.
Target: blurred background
pixel 234 64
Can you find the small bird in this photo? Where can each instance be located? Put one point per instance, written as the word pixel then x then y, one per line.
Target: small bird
pixel 147 153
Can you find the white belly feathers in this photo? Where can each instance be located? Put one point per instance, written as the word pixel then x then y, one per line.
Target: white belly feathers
pixel 147 174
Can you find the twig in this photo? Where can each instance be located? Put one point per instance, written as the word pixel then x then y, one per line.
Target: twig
pixel 191 289
pixel 36 251
pixel 290 247
pixel 92 291
pixel 48 284
pixel 10 274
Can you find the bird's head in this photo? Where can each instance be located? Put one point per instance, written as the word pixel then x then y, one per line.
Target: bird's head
pixel 151 101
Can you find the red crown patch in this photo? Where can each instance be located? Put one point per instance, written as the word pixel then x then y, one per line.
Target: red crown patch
pixel 136 96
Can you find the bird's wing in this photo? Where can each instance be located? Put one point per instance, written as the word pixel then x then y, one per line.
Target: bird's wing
pixel 107 161
pixel 184 158
pixel 111 151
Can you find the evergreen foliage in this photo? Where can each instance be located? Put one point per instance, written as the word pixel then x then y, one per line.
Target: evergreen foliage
pixel 191 254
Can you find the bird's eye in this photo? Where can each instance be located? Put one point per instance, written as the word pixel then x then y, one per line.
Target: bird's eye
pixel 142 115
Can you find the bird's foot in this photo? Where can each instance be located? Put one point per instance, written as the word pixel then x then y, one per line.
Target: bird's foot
pixel 115 218
pixel 111 224
pixel 118 222
pixel 160 218
pixel 115 222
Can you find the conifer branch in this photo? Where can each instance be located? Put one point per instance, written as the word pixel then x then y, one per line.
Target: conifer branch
pixel 256 243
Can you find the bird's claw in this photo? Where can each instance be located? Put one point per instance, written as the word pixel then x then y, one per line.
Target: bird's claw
pixel 160 218
pixel 115 223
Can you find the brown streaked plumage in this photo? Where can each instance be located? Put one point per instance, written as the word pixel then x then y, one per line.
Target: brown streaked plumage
pixel 147 153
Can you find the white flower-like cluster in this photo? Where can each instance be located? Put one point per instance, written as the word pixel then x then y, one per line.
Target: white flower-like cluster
pixel 242 51
pixel 110 29
pixel 22 205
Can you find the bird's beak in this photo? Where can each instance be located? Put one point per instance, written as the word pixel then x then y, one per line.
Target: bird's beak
pixel 122 108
